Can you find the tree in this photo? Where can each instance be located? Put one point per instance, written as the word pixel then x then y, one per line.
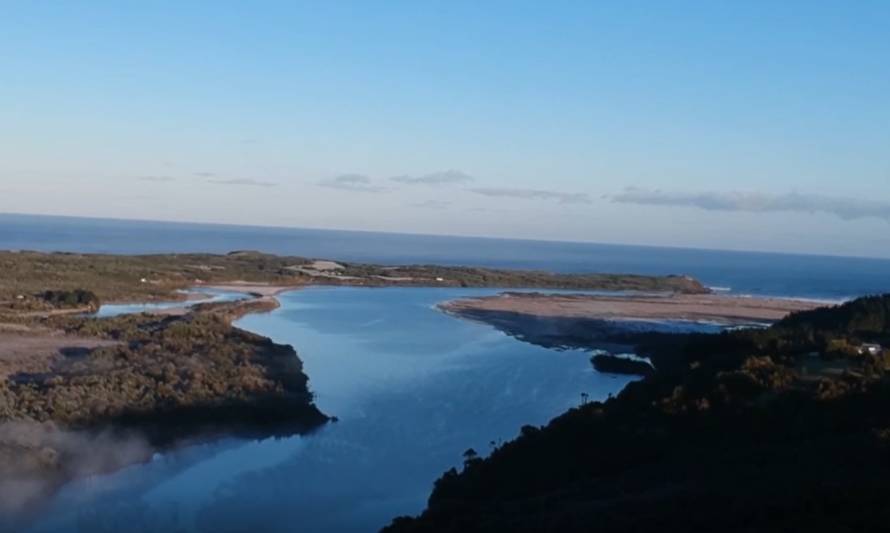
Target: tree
pixel 470 457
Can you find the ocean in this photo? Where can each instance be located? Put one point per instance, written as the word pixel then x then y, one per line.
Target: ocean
pixel 755 273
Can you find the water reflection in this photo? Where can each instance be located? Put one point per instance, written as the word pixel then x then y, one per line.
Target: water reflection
pixel 412 387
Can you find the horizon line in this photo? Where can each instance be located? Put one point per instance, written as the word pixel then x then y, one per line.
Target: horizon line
pixel 446 235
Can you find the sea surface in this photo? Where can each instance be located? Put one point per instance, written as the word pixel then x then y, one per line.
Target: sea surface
pixel 413 389
pixel 820 277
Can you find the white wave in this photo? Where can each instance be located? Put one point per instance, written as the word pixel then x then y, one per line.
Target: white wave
pixel 822 301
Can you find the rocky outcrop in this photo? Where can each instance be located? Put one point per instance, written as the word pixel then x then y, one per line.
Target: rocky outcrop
pixel 613 364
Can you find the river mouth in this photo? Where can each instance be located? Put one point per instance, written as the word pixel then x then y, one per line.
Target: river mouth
pixel 413 388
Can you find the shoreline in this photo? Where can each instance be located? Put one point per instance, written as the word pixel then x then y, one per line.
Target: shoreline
pixel 123 279
pixel 618 324
pixel 756 310
pixel 713 309
pixel 257 292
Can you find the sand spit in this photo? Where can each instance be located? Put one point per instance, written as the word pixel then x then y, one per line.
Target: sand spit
pixel 722 309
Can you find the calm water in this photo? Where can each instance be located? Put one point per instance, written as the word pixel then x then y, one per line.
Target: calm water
pixel 742 272
pixel 413 389
pixel 212 296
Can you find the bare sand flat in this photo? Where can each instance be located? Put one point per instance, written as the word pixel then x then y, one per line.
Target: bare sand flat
pixel 326 265
pixel 36 350
pixel 169 311
pixel 705 307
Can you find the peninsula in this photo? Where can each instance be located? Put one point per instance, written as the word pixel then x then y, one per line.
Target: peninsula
pixel 584 321
pixel 145 278
pixel 81 396
pixel 719 309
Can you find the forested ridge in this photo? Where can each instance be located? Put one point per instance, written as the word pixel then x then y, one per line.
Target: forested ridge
pixel 779 429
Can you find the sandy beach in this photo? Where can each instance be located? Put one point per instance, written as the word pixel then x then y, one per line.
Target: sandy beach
pixel 723 309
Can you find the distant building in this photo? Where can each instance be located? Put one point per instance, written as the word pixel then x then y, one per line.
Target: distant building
pixel 871 349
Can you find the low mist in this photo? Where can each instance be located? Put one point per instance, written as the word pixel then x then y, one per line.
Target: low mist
pixel 36 458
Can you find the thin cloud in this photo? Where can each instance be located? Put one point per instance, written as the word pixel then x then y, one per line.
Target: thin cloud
pixel 205 174
pixel 488 210
pixel 432 204
pixel 352 182
pixel 156 179
pixel 243 182
pixel 446 177
pixel 535 194
pixel 752 202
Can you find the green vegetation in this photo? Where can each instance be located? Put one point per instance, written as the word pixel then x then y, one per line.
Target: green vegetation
pixel 77 298
pixel 731 433
pixel 834 333
pixel 119 278
pixel 195 369
pixel 116 278
pixel 151 383
pixel 485 277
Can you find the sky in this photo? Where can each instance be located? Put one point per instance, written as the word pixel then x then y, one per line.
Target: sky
pixel 754 125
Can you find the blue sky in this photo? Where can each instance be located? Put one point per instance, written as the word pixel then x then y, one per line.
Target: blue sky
pixel 743 125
